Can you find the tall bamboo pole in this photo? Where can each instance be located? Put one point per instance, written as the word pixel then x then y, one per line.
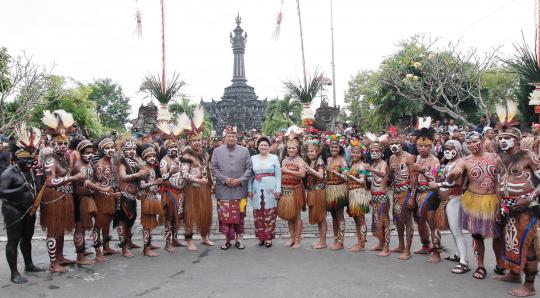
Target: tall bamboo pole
pixel 302 42
pixel 163 79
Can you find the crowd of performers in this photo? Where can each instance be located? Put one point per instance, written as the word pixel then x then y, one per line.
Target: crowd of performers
pixel 486 184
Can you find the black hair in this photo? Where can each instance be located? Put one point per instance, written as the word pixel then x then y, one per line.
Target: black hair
pixel 263 139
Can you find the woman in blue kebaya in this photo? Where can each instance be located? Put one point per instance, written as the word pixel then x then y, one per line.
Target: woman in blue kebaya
pixel 264 191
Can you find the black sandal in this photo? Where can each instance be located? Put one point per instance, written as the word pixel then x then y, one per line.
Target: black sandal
pixel 261 243
pixel 452 258
pixel 480 273
pixel 499 271
pixel 239 245
pixel 226 246
pixel 268 244
pixel 461 269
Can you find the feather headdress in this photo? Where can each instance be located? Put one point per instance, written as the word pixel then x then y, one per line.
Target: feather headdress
pixel 507 117
pixel 172 131
pixel 424 132
pixel 192 127
pixel 59 123
pixel 27 140
pixel 376 141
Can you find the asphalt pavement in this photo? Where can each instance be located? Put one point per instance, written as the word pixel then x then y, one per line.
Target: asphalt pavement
pixel 256 272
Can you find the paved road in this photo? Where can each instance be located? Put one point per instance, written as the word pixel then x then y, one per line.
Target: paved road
pixel 255 272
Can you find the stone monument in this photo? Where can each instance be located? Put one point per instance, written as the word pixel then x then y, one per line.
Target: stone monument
pixel 239 105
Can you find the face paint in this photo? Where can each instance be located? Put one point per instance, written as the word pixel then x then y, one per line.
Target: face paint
pixel 395 148
pixel 130 153
pixel 151 159
pixel 449 154
pixel 375 155
pixel 506 143
pixel 173 151
pixel 109 152
pixel 60 147
pixel 87 157
pixel 474 146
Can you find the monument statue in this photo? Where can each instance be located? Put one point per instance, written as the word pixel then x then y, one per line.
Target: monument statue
pixel 239 106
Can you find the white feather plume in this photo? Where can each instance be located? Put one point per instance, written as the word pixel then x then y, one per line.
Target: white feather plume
pixel 385 137
pixel 511 110
pixel 37 136
pixel 67 118
pixel 23 136
pixel 372 137
pixel 501 112
pixel 165 127
pixel 198 117
pixel 424 122
pixel 49 119
pixel 183 122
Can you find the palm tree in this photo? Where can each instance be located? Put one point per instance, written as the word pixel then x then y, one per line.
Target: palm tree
pixel 152 85
pixel 305 93
pixel 281 114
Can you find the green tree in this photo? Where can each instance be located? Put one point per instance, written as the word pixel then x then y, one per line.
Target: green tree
pixel 23 86
pixel 112 106
pixel 281 114
pixel 447 80
pixel 73 100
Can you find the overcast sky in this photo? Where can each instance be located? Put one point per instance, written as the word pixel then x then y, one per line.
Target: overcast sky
pixel 95 39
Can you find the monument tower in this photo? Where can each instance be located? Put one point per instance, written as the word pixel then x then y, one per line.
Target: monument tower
pixel 239 106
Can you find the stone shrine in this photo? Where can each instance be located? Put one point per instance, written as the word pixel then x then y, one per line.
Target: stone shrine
pixel 146 120
pixel 239 106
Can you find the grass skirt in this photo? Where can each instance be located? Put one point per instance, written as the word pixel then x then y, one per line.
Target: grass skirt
pixel 88 210
pixel 151 212
pixel 316 202
pixel 478 214
pixel 198 207
pixel 57 212
pixel 106 207
pixel 358 202
pixel 336 196
pixel 290 203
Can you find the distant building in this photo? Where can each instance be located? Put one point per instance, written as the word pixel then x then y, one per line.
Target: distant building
pixel 145 124
pixel 239 106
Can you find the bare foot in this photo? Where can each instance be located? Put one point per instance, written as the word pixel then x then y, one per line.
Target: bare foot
pixel 336 246
pixel 110 251
pixel 512 278
pixel 434 259
pixel 296 245
pixel 150 252
pixel 207 242
pixel 100 258
pixel 88 253
pixel 132 245
pixel 170 248
pixel 178 243
pixel 154 246
pixel 58 268
pixel 357 247
pixel 397 249
pixel 191 246
pixel 522 292
pixel 289 243
pixel 126 253
pixel 405 256
pixel 384 253
pixel 64 261
pixel 376 248
pixel 83 260
pixel 318 245
pixel 422 251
